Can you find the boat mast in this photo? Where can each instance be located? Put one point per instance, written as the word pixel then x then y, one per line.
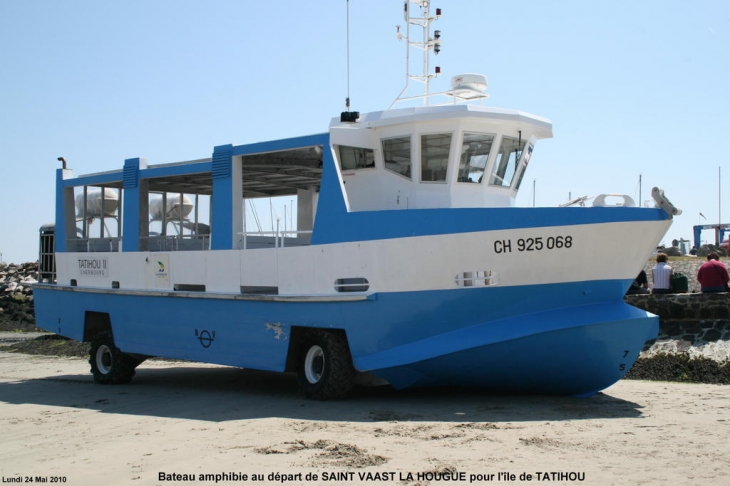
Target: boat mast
pixel 426 45
pixel 347 115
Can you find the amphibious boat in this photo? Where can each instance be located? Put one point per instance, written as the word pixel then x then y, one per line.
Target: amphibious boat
pixel 406 262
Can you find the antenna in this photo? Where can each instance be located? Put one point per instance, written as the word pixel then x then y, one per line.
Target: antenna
pixel 347 100
pixel 428 43
pixel 347 115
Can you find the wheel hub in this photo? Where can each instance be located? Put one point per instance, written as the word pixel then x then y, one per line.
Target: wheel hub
pixel 314 364
pixel 104 359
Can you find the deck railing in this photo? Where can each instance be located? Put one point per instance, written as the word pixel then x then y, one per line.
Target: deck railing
pixel 92 245
pixel 273 239
pixel 177 242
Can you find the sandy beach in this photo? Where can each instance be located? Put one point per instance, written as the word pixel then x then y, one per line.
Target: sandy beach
pixel 185 423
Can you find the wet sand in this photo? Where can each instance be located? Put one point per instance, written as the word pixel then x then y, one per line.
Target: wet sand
pixel 224 423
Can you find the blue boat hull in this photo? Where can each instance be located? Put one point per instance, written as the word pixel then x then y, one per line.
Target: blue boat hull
pixel 580 360
pixel 514 340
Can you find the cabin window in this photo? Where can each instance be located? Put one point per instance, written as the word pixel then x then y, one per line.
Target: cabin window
pixel 98 219
pixel 505 167
pixel 475 149
pixel 525 161
pixel 354 158
pixel 96 209
pixel 178 221
pixel 435 156
pixel 397 155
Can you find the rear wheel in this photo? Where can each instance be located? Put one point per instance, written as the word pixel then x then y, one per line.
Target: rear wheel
pixel 325 369
pixel 109 365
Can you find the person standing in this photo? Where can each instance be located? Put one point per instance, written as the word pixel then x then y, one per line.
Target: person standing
pixel 662 275
pixel 712 275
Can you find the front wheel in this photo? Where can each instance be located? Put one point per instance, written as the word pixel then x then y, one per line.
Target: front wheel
pixel 325 369
pixel 109 365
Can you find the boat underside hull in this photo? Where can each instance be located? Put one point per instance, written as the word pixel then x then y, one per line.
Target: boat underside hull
pixel 408 339
pixel 580 360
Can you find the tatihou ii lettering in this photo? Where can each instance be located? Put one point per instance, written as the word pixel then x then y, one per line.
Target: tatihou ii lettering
pixel 93 267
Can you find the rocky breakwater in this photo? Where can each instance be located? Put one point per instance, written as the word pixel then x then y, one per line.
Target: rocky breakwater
pixel 16 296
pixel 693 323
pixel 694 338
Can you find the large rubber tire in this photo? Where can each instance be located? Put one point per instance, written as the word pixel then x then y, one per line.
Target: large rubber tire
pixel 109 365
pixel 325 366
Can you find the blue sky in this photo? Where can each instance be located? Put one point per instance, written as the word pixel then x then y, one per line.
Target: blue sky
pixel 632 88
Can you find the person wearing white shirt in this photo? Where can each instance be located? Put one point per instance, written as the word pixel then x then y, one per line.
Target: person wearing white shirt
pixel 662 275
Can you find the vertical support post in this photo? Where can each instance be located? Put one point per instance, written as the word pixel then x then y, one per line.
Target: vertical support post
pixel 135 227
pixel 331 205
pixel 85 216
pixel 227 221
pixel 306 206
pixel 65 211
